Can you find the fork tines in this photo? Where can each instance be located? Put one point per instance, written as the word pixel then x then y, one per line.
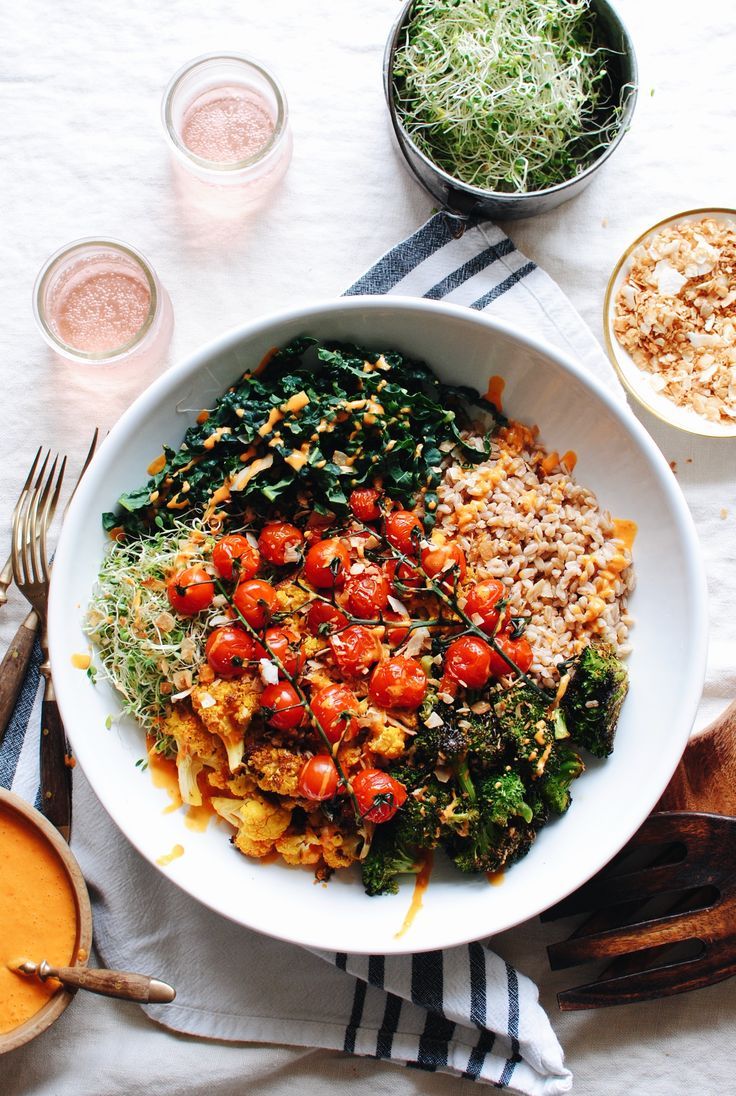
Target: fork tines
pixel 32 516
pixel 669 926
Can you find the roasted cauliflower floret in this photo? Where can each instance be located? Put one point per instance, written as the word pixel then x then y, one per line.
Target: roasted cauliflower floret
pixel 339 850
pixel 196 749
pixel 300 848
pixel 226 708
pixel 275 770
pixel 259 822
pixel 387 740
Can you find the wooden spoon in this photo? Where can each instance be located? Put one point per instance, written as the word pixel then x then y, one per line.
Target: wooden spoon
pixel 108 983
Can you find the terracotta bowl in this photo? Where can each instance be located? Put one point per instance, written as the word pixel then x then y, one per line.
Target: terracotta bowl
pixel 54 1007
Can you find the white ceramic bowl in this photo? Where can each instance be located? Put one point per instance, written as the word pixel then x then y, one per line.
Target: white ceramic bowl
pixel 616 458
pixel 637 380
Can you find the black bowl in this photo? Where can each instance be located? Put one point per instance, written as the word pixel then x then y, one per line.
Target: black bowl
pixel 469 201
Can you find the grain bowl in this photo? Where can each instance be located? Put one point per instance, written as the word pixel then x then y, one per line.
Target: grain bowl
pixel 614 459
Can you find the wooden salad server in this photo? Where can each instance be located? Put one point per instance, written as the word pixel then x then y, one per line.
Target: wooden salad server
pixel 689 875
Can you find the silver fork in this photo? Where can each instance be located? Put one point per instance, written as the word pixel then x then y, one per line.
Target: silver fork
pixel 31 520
pixel 17 658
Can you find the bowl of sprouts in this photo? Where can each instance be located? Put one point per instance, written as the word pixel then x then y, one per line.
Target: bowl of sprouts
pixel 507 110
pixel 354 590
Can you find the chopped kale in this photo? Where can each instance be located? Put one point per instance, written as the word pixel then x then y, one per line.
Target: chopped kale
pixel 318 418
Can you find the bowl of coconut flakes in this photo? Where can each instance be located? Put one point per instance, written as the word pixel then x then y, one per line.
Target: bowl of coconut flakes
pixel 670 321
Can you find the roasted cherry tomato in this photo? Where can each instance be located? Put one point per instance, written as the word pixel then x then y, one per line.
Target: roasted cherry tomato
pixel 404 530
pixel 318 778
pixel 519 650
pixel 282 707
pixel 379 796
pixel 279 540
pixel 327 563
pixel 284 645
pixel 317 526
pixel 323 618
pixel 364 503
pixel 229 649
pixel 396 634
pixel 355 649
pixel 445 562
pixel 398 683
pixel 367 594
pixel 235 557
pixel 255 600
pixel 468 661
pixel 336 707
pixel 482 603
pixel 402 574
pixel 190 591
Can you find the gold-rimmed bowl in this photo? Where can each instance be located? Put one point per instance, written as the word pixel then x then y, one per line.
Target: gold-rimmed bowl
pixel 636 380
pixel 58 1002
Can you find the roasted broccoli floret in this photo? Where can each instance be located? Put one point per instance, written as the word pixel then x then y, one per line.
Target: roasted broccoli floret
pixel 503 796
pixel 485 746
pixel 388 857
pixel 526 725
pixel 490 848
pixel 439 738
pixel 592 702
pixel 563 766
pixel 420 820
pixel 494 827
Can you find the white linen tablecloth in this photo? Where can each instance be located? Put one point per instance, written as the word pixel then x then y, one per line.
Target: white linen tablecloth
pixel 80 85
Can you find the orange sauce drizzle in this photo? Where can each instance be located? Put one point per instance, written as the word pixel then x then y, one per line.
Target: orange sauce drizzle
pixel 496 386
pixel 157 465
pixel 81 661
pixel 495 878
pixel 176 852
pixel 38 916
pixel 164 775
pixel 420 885
pixel 625 531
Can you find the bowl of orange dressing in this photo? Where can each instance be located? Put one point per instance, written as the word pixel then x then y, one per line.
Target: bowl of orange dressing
pixel 44 914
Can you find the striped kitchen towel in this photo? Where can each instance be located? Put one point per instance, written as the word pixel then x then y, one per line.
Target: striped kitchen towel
pixel 462 1011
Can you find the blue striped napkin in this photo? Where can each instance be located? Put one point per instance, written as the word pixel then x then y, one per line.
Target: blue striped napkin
pixel 462 1011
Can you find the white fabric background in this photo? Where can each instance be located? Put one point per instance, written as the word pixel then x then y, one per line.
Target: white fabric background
pixel 82 154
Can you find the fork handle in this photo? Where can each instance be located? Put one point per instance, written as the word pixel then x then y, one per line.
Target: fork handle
pixel 14 666
pixel 56 773
pixel 705 779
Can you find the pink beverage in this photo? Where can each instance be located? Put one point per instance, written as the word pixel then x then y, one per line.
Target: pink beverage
pixel 226 125
pixel 100 302
pixel 226 121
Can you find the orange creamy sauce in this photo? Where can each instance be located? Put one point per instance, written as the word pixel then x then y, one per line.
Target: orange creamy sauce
pixel 38 916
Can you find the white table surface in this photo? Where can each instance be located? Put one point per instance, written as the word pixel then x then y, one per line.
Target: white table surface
pixel 82 154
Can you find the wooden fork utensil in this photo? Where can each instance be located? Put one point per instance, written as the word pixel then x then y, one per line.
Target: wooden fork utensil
pixel 664 910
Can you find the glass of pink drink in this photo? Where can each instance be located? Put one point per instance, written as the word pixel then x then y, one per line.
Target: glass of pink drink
pixel 100 302
pixel 226 120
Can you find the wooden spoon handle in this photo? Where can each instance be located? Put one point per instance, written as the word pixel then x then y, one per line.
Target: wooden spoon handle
pixel 115 983
pixel 705 779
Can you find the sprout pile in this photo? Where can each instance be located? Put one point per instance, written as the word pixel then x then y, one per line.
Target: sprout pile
pixel 503 95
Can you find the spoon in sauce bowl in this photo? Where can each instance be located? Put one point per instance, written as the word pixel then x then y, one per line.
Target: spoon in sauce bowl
pixel 108 983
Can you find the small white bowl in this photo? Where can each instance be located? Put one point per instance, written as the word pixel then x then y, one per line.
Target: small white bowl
pixel 636 380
